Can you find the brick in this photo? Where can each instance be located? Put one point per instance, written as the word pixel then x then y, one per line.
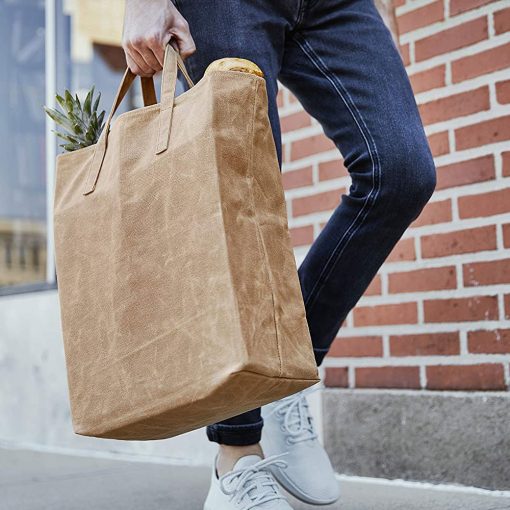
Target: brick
pixel 324 201
pixel 502 21
pixel 439 143
pixel 461 309
pixel 403 251
pixel 279 98
pixel 297 178
pixel 309 146
pixel 295 121
pixel 434 213
pixel 461 241
pixel 506 163
pixel 491 272
pixel 421 17
pixel 481 63
pixel 301 236
pixel 507 306
pixel 503 92
pixel 483 133
pixel 402 313
pixel 489 342
pixel 285 155
pixel 336 377
pixel 405 54
pixel 458 6
pixel 292 98
pixel 429 79
pixel 506 235
pixel 486 376
pixel 356 347
pixel 426 344
pixel 457 105
pixel 332 170
pixel 485 204
pixel 466 172
pixel 374 289
pixel 422 280
pixel 398 3
pixel 452 39
pixel 388 377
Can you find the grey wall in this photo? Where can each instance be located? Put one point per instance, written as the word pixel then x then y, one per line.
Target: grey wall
pixel 423 436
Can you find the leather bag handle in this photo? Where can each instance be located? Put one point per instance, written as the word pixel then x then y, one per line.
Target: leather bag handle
pixel 148 91
pixel 172 62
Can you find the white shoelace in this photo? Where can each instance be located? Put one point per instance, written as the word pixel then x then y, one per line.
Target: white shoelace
pixel 297 421
pixel 253 485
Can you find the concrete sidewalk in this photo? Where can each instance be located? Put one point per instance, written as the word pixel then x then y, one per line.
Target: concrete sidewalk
pixel 44 481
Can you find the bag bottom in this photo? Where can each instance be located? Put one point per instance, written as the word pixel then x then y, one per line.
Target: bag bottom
pixel 237 393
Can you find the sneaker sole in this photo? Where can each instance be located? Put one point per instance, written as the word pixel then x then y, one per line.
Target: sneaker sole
pixel 292 489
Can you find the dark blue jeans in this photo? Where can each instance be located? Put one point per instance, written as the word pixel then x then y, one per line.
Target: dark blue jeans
pixel 338 58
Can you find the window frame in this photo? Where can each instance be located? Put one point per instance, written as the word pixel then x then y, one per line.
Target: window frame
pixel 50 64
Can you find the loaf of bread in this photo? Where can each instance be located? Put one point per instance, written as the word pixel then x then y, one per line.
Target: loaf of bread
pixel 235 64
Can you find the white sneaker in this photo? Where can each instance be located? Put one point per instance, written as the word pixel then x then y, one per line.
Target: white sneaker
pixel 249 486
pixel 288 427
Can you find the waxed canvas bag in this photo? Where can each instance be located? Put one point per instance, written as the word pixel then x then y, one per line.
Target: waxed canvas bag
pixel 180 300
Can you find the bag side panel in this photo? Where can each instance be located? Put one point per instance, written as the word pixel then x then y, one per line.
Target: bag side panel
pixel 294 341
pixel 233 129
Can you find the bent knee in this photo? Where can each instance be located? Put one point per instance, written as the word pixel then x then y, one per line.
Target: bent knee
pixel 408 180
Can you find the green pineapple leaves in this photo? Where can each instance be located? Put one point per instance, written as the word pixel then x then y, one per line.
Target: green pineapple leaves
pixel 80 123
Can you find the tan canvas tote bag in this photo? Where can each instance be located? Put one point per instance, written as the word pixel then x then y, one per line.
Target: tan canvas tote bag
pixel 180 300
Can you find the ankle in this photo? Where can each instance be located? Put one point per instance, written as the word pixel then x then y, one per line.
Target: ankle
pixel 229 455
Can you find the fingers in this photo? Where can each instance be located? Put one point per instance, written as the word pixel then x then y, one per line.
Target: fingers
pixel 182 35
pixel 145 54
pixel 135 59
pixel 158 49
pixel 148 27
pixel 145 58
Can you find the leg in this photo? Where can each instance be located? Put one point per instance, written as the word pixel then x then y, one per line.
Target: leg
pixel 343 66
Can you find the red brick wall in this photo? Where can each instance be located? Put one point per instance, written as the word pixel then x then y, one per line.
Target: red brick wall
pixel 437 316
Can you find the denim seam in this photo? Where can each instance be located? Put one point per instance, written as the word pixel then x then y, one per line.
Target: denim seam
pixel 228 428
pixel 342 92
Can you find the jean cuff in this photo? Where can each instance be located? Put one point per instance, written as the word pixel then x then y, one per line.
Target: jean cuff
pixel 235 435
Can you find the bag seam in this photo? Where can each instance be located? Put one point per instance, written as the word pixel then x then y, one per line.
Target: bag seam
pixel 260 239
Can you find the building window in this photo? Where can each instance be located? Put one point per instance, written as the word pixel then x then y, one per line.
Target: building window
pixel 47 46
pixel 23 217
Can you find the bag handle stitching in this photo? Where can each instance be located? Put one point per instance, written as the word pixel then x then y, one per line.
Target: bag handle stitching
pixel 172 62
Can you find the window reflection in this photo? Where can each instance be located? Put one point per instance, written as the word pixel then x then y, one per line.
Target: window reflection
pixel 88 53
pixel 22 143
